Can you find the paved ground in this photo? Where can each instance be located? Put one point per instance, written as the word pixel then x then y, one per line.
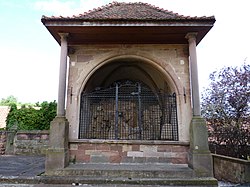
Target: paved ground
pixel 11 165
pixel 29 167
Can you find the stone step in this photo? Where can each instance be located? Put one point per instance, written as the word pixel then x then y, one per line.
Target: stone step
pixel 102 181
pixel 128 174
pixel 133 182
pixel 128 171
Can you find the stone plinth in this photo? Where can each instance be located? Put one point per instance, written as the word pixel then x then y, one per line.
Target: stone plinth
pixel 200 158
pixel 57 156
pixel 130 151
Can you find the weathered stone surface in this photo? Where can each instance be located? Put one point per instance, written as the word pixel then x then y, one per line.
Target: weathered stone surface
pixel 164 63
pixel 231 169
pixel 24 142
pixel 31 142
pixel 57 156
pixel 84 58
pixel 121 152
pixel 200 158
pixel 2 142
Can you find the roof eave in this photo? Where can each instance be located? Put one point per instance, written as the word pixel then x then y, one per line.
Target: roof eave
pixel 187 19
pixel 55 26
pixel 158 23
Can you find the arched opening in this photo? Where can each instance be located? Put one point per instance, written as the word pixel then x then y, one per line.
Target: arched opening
pixel 128 99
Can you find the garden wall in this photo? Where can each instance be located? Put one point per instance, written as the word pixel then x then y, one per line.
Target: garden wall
pixel 3 138
pixel 231 169
pixel 33 142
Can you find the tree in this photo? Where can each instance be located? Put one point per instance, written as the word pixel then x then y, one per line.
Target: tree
pixel 8 101
pixel 226 107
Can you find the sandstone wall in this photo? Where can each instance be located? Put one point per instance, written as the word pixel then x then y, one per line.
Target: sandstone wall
pixel 104 151
pixel 231 169
pixel 3 138
pixel 171 61
pixel 31 142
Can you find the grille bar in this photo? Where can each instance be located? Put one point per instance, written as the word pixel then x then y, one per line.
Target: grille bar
pixel 128 111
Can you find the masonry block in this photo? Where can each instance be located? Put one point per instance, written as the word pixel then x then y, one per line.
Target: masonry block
pixel 126 148
pixel 104 147
pixel 200 158
pixel 135 147
pixel 117 148
pixel 86 146
pixel 164 148
pixel 57 156
pixel 99 159
pixel 110 152
pixel 56 159
pixel 115 159
pixel 135 154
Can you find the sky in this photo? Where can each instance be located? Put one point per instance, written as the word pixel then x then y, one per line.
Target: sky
pixel 29 63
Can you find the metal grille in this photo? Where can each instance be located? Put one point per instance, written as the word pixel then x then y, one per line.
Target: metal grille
pixel 128 111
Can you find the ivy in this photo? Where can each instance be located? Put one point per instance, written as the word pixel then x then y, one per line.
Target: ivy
pixel 31 118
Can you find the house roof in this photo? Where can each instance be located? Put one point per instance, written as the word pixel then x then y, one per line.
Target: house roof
pixel 129 12
pixel 4 111
pixel 137 23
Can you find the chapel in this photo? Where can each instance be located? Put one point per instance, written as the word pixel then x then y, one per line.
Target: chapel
pixel 128 89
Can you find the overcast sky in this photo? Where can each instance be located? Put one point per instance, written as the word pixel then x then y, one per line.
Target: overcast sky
pixel 29 63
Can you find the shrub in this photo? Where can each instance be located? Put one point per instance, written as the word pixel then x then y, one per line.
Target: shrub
pixel 29 118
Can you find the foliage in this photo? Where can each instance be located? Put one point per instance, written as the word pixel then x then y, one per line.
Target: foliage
pixel 8 101
pixel 47 114
pixel 226 107
pixel 30 118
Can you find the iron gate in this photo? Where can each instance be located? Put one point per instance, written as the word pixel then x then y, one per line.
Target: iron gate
pixel 128 111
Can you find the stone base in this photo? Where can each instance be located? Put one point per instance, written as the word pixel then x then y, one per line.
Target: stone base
pixel 56 159
pixel 201 163
pixel 106 174
pixel 128 151
pixel 200 158
pixel 57 156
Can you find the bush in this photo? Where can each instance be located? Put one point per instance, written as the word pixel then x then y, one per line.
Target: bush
pixel 29 118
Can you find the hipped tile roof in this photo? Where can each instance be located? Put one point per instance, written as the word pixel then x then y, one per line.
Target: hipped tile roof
pixel 129 12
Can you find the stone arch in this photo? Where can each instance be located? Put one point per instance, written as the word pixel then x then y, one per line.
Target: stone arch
pixel 164 69
pixel 144 64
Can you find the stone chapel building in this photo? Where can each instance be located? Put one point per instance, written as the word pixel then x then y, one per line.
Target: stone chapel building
pixel 128 77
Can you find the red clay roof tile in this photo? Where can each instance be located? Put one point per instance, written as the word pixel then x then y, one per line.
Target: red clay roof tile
pixel 128 12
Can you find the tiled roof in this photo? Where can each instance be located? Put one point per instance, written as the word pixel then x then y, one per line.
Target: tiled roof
pixel 4 111
pixel 128 12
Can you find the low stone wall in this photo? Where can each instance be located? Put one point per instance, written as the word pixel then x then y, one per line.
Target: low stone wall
pixel 117 151
pixel 24 142
pixel 31 142
pixel 3 138
pixel 231 169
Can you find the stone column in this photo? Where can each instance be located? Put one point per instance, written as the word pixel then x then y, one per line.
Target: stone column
pixel 57 156
pixel 194 73
pixel 62 75
pixel 200 158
